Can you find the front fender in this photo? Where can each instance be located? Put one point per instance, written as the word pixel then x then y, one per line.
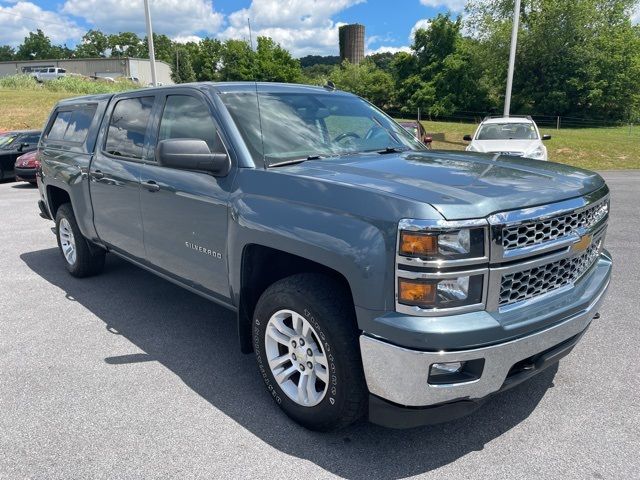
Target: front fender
pixel 347 228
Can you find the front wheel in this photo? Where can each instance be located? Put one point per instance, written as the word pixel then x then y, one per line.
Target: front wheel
pixel 306 345
pixel 80 259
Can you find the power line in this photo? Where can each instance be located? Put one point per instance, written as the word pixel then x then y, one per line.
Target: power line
pixel 19 15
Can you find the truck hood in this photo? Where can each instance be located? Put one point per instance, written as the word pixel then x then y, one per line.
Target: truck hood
pixel 458 185
pixel 524 146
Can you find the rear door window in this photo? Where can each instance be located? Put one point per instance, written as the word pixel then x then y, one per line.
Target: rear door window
pixel 128 127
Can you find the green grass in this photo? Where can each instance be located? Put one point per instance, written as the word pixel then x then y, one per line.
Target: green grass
pixel 25 103
pixel 607 148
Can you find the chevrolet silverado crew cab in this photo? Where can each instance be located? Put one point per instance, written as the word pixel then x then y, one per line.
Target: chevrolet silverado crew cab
pixel 370 276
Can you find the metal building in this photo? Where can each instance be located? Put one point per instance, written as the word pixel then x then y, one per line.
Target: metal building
pixel 352 43
pixel 113 67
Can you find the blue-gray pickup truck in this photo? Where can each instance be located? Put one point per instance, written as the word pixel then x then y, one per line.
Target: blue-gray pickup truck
pixel 371 277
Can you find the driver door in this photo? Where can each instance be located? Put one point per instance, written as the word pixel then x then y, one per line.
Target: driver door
pixel 184 212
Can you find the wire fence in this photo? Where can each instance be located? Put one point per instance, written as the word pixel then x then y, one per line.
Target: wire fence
pixel 557 122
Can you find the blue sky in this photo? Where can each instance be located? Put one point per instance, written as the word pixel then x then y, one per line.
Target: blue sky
pixel 302 26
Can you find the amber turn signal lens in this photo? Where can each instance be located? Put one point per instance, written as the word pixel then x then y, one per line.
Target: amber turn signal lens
pixel 413 292
pixel 418 244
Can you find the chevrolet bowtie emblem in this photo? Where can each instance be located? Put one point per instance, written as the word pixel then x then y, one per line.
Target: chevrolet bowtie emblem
pixel 582 244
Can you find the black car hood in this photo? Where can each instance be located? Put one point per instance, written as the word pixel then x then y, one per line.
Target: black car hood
pixel 458 185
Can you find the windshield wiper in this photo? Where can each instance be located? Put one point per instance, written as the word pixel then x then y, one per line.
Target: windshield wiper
pixel 392 150
pixel 295 161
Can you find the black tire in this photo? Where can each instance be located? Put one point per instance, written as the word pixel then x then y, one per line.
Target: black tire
pixel 330 312
pixel 89 260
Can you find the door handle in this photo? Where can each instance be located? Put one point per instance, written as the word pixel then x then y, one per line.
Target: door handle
pixel 97 175
pixel 151 186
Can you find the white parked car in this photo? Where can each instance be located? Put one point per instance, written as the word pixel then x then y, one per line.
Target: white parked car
pixel 516 136
pixel 50 73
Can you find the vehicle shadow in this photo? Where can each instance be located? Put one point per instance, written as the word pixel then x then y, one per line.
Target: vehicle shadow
pixel 24 185
pixel 197 341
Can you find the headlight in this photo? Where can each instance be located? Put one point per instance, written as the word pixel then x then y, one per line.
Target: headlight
pixel 441 293
pixel 537 154
pixel 444 245
pixel 472 148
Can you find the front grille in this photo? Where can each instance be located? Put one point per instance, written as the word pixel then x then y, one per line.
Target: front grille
pixel 526 284
pixel 541 231
pixel 510 154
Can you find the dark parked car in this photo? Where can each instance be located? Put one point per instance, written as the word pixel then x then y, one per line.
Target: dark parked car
pixel 417 130
pixel 26 167
pixel 12 145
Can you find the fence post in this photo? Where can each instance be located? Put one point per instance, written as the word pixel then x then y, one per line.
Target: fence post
pixel 558 123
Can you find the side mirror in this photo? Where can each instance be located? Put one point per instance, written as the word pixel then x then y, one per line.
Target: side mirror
pixel 546 137
pixel 467 138
pixel 191 154
pixel 428 139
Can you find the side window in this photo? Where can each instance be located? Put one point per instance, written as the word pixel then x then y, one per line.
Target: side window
pixel 127 127
pixel 79 124
pixel 72 125
pixel 188 117
pixel 59 126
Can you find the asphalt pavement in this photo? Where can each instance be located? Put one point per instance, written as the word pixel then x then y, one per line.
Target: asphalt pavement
pixel 125 375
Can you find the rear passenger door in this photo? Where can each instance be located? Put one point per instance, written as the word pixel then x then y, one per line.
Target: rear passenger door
pixel 184 212
pixel 115 173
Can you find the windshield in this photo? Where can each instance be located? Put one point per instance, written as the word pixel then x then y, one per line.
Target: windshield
pixel 301 125
pixel 6 140
pixel 507 131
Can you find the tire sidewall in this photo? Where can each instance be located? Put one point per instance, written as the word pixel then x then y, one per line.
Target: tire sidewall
pixel 63 214
pixel 329 410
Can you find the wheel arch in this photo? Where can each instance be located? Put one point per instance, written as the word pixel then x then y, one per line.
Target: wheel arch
pixel 262 266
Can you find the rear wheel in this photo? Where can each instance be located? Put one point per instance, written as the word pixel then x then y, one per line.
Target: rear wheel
pixel 306 345
pixel 80 258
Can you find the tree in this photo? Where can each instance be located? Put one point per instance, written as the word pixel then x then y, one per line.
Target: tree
pixel 443 74
pixel 163 48
pixel 205 57
pixel 94 44
pixel 237 61
pixel 275 64
pixel 6 53
pixel 365 80
pixel 36 46
pixel 125 44
pixel 182 70
pixel 578 58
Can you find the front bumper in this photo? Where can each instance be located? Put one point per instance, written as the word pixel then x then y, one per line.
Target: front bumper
pixel 400 375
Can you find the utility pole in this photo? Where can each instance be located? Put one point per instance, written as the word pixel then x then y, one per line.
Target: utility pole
pixel 152 54
pixel 512 58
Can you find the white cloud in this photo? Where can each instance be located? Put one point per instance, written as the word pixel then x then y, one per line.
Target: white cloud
pixel 170 17
pixel 20 18
pixel 384 48
pixel 186 38
pixel 303 27
pixel 453 5
pixel 423 23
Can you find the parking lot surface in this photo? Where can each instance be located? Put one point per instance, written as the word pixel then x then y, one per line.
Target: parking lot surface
pixel 125 375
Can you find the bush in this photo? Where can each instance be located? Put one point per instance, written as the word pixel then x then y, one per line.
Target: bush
pixel 69 84
pixel 19 82
pixel 82 85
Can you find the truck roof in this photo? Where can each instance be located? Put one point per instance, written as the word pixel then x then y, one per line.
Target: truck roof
pixel 86 98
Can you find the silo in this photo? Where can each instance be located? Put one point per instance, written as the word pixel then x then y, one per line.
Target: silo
pixel 352 43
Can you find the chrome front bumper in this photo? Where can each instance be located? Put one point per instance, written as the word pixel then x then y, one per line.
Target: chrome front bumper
pixel 400 375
